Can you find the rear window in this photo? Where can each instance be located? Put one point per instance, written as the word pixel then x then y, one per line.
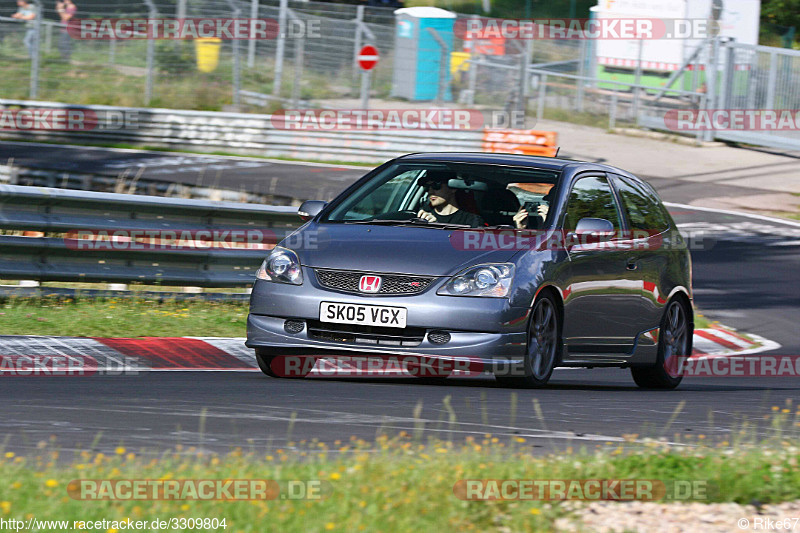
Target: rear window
pixel 642 208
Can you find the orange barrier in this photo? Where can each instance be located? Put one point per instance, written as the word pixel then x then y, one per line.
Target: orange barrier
pixel 528 142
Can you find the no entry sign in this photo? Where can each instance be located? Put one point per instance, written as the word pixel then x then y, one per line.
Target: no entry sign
pixel 367 57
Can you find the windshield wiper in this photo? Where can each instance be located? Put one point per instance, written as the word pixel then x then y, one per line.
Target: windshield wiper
pixel 416 221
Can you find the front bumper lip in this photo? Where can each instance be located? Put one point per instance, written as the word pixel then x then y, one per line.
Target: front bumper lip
pixel 265 331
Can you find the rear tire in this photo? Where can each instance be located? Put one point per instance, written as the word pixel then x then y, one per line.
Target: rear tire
pixel 674 340
pixel 544 346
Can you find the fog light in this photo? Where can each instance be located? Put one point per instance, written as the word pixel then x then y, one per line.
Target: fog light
pixel 294 326
pixel 439 337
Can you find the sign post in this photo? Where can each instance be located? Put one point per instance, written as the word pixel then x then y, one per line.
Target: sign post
pixel 367 58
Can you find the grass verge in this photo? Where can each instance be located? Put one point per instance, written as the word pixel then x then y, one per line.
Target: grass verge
pixel 393 484
pixel 122 317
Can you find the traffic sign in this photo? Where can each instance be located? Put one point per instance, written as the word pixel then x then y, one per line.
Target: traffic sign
pixel 367 57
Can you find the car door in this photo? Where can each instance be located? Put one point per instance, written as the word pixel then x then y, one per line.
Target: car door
pixel 648 254
pixel 601 295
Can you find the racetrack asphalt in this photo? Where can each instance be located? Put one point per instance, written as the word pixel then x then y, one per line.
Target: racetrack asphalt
pixel 747 279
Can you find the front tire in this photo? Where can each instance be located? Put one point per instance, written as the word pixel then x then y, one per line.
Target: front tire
pixel 673 341
pixel 264 360
pixel 544 346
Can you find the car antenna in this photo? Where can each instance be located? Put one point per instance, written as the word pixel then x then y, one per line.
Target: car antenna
pixel 557 149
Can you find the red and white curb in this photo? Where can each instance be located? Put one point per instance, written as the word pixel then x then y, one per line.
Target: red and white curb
pixel 721 341
pixel 231 355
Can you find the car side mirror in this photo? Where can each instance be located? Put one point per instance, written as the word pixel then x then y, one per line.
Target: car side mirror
pixel 594 229
pixel 310 208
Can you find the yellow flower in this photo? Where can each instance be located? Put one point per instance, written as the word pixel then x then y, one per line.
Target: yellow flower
pixel 16 485
pixel 441 450
pixel 330 525
pixel 9 455
pixel 184 507
pixel 535 511
pixel 520 439
pixel 775 408
pixel 112 530
pixel 362 504
pixel 51 483
pixel 120 450
pixel 335 476
pixel 785 411
pixel 5 506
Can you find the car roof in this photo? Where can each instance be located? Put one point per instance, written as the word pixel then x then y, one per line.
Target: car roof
pixel 517 160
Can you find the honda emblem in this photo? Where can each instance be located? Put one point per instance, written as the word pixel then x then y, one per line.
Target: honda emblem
pixel 370 284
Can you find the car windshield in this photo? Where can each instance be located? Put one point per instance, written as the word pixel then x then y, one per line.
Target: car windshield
pixel 450 194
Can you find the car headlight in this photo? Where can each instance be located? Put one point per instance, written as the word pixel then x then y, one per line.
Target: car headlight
pixel 281 266
pixel 492 280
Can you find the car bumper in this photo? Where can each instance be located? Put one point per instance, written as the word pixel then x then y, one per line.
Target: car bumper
pixel 484 328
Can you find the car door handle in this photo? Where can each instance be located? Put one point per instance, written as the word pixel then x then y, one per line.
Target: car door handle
pixel 631 264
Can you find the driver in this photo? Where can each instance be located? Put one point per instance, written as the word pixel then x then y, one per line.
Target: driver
pixel 442 205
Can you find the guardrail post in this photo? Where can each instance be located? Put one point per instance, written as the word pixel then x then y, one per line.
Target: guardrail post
pixel 251 44
pixel 280 48
pixel 772 80
pixel 711 81
pixel 637 88
pixel 148 89
pixel 542 96
pixel 728 80
pixel 299 57
pixel 236 13
pixel 48 36
pixel 112 51
pixel 522 102
pixel 359 21
pixel 581 74
pixel 612 112
pixel 37 31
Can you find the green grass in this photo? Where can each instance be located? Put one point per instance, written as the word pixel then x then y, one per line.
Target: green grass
pixel 122 317
pixel 399 483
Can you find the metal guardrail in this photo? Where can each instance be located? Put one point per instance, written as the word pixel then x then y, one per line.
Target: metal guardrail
pixel 244 133
pixel 129 183
pixel 57 211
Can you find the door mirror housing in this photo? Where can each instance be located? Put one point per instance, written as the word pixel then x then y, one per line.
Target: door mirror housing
pixel 594 229
pixel 310 208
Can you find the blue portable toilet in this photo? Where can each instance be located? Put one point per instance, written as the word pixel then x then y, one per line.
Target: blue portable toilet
pixel 417 54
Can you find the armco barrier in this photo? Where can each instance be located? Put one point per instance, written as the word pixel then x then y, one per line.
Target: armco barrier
pixel 252 134
pixel 58 211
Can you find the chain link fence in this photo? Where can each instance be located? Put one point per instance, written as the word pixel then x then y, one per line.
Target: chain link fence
pixel 312 64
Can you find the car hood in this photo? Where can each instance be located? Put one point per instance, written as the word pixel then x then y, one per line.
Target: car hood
pixel 373 248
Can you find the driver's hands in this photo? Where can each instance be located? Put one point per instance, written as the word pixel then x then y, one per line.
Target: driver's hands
pixel 426 215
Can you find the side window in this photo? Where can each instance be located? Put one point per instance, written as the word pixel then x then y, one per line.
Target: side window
pixel 591 197
pixel 643 209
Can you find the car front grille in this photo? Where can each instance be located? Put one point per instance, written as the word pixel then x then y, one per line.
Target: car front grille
pixel 347 281
pixel 371 335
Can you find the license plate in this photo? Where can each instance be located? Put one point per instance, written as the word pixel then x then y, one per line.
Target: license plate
pixel 365 315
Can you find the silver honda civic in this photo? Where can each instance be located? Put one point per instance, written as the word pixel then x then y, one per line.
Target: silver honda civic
pixel 515 263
